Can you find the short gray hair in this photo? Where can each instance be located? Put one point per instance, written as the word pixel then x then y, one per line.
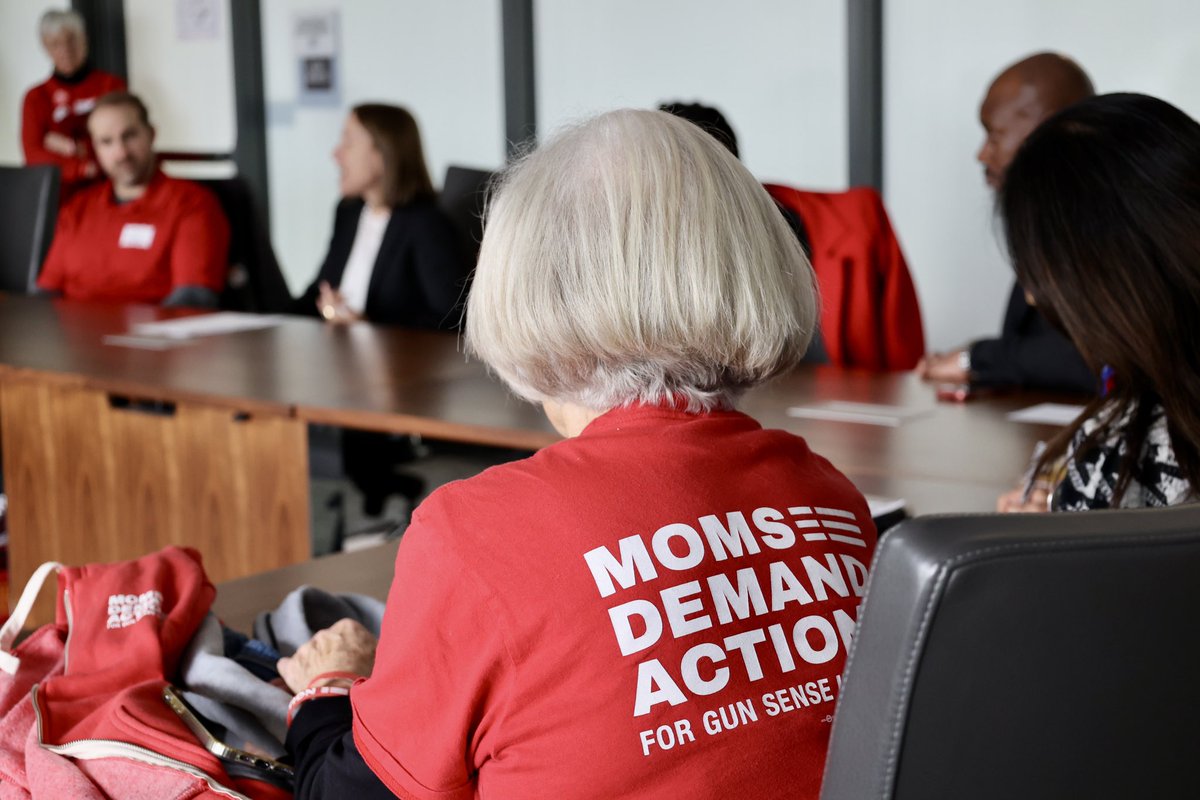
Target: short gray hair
pixel 56 20
pixel 633 259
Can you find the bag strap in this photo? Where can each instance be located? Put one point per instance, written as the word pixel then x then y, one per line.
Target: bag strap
pixel 15 623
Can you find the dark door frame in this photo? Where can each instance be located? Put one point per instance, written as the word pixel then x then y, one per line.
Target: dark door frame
pixel 105 24
pixel 864 54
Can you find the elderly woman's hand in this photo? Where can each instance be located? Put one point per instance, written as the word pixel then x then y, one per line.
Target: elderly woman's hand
pixel 346 646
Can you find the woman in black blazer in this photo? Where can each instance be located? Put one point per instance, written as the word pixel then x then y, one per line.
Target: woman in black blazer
pixel 394 258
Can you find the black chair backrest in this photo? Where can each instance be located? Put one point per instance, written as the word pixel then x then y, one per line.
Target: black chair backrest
pixel 254 282
pixel 28 212
pixel 462 198
pixel 1031 656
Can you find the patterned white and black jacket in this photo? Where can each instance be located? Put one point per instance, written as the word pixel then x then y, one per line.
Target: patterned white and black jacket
pixel 1091 475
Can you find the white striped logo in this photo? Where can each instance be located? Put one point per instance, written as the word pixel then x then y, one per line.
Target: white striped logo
pixel 818 524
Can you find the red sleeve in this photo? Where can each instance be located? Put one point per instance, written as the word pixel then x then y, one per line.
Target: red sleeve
pixel 903 334
pixel 54 270
pixel 33 127
pixel 422 720
pixel 200 250
pixel 35 124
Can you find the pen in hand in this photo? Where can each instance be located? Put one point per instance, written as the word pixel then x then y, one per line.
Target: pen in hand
pixel 1029 480
pixel 1035 492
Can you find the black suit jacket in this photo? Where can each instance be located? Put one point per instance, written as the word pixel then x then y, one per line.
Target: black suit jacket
pixel 1030 352
pixel 420 274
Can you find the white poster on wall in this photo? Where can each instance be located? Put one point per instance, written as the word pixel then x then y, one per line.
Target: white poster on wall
pixel 318 57
pixel 197 20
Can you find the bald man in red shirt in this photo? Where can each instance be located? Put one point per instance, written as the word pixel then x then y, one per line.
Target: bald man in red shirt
pixel 140 236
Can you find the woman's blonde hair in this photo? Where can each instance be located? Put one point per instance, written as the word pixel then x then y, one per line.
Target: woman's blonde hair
pixel 633 259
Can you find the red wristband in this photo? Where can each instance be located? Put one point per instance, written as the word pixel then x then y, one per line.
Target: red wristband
pixel 313 693
pixel 335 676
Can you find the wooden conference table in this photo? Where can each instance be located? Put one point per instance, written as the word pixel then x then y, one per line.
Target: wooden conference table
pixel 111 451
pixel 953 457
pixel 946 458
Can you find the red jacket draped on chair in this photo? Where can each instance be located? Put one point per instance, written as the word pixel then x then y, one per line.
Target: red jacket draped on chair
pixel 870 317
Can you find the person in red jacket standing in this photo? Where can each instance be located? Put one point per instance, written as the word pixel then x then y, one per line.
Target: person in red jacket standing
pixel 54 114
pixel 141 236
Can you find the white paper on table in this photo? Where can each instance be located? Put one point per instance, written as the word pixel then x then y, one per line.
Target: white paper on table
pixel 882 506
pixel 215 324
pixel 144 342
pixel 866 413
pixel 1047 414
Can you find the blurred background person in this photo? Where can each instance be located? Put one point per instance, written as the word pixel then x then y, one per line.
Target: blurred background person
pixel 1029 352
pixel 394 257
pixel 1101 211
pixel 54 114
pixel 633 279
pixel 140 236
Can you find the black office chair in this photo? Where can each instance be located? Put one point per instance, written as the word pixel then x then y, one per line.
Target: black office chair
pixel 28 212
pixel 254 282
pixel 1044 656
pixel 462 198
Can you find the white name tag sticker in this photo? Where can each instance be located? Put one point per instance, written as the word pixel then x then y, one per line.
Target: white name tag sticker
pixel 136 236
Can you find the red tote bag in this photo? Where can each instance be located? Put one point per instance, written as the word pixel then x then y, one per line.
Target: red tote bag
pixel 81 709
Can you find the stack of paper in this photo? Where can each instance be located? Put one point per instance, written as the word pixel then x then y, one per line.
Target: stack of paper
pixel 215 324
pixel 1047 414
pixel 865 413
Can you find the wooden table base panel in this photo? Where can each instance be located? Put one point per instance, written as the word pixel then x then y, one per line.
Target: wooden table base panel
pixel 91 478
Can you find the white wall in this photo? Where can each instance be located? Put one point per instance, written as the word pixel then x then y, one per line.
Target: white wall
pixel 186 83
pixel 776 68
pixel 23 63
pixel 939 58
pixel 441 60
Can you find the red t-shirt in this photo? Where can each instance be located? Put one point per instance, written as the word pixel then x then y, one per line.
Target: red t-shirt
pixel 657 608
pixel 138 252
pixel 62 107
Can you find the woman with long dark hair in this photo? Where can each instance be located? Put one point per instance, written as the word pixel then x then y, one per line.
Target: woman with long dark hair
pixel 394 257
pixel 1101 211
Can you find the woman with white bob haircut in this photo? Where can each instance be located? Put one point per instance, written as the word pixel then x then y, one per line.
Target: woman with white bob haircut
pixel 659 605
pixel 656 271
pixel 54 113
